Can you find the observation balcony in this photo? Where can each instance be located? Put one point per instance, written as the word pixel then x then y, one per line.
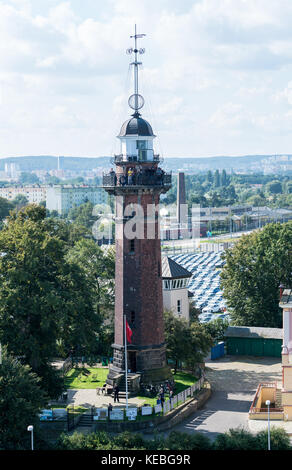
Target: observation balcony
pixel 143 179
pixel 122 158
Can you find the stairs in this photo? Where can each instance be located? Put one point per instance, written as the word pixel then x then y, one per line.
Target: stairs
pixel 122 388
pixel 85 419
pixel 278 399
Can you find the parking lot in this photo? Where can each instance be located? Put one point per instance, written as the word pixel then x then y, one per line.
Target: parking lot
pixel 205 283
pixel 234 381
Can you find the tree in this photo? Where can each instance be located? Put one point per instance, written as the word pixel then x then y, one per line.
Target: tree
pixel 224 178
pixel 240 439
pixel 43 298
pixel 83 215
pixel 99 272
pixel 28 178
pixel 185 343
pixel 217 182
pixel 216 329
pixel 19 201
pixel 209 177
pixel 254 268
pixel 21 399
pixel 274 187
pixel 5 207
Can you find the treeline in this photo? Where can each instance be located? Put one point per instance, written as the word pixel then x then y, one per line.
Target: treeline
pixel 235 439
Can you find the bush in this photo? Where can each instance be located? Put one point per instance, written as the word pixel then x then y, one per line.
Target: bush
pixel 279 440
pixel 183 441
pixel 78 441
pixel 235 439
pixel 128 440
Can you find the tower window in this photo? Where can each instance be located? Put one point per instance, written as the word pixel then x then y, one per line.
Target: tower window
pixel 133 317
pixel 158 269
pixel 179 307
pixel 132 246
pixel 141 144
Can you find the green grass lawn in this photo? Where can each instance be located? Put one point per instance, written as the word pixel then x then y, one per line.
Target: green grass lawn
pixel 90 377
pixel 93 377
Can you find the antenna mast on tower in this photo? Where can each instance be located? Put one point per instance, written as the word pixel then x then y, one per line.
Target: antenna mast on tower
pixel 136 101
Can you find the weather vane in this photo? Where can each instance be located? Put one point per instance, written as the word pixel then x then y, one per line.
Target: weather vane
pixel 136 101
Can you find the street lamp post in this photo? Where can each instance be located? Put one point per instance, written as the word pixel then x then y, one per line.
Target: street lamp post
pixel 269 436
pixel 30 429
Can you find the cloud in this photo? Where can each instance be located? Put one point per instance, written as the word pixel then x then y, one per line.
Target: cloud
pixel 215 74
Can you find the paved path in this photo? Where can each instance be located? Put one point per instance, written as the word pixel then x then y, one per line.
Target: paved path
pixel 88 397
pixel 234 381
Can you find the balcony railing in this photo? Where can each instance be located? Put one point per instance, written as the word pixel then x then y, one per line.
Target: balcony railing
pixel 144 179
pixel 254 409
pixel 135 159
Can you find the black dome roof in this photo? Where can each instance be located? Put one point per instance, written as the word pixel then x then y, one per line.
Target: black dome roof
pixel 136 126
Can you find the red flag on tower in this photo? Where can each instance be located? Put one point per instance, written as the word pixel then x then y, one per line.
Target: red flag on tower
pixel 129 333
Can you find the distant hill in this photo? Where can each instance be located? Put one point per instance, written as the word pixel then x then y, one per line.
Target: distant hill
pixel 48 162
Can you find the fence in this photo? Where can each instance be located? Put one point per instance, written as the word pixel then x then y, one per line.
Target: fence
pixel 146 411
pixel 183 396
pixel 202 247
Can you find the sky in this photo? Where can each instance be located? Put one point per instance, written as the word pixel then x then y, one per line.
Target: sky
pixel 216 75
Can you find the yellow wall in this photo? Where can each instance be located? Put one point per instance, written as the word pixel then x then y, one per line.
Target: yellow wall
pixel 287 378
pixel 287 413
pixel 265 416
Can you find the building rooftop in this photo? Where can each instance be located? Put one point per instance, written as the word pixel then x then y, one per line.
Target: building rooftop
pixel 136 126
pixel 173 270
pixel 253 332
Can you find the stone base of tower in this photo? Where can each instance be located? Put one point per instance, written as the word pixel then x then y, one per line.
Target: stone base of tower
pixel 149 362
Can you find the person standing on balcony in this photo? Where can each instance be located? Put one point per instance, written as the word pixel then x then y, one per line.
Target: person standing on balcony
pixel 113 177
pixel 130 176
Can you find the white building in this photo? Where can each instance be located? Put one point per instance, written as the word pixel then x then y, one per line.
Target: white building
pixel 175 281
pixel 63 198
pixel 34 194
pixel 12 170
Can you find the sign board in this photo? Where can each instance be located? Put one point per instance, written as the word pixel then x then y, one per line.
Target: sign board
pixel 146 410
pixel 158 408
pixel 100 414
pixel 46 415
pixel 131 414
pixel 117 414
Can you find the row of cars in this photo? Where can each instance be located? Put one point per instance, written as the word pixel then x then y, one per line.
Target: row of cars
pixel 205 283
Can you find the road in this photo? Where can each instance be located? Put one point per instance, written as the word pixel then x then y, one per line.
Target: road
pixel 234 381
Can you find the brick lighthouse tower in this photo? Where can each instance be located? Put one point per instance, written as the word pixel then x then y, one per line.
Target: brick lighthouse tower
pixel 137 183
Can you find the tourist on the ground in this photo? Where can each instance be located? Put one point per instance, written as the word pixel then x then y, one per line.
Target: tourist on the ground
pixel 170 396
pixel 109 408
pixel 116 393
